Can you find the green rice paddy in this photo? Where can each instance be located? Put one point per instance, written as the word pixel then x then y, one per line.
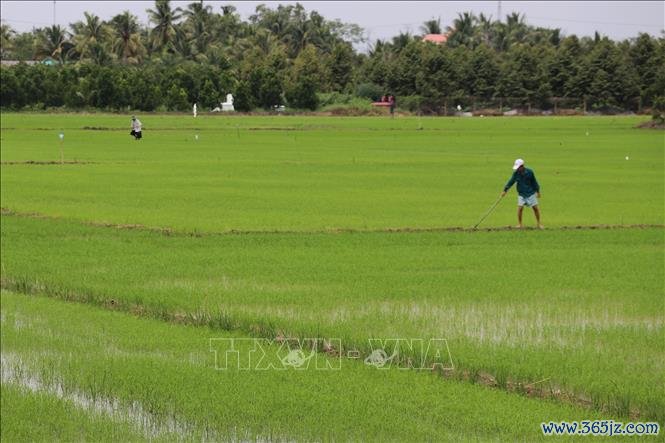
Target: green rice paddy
pixel 120 264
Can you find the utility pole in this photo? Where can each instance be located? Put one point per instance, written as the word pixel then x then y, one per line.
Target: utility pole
pixel 498 11
pixel 53 12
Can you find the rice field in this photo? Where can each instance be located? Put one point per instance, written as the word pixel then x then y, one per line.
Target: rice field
pixel 122 259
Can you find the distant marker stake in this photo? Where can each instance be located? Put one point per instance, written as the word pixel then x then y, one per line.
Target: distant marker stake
pixel 62 155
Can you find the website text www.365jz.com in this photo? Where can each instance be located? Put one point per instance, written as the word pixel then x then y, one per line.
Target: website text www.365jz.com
pixel 599 427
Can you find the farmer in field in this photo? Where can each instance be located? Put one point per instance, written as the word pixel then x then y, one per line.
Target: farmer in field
pixel 528 190
pixel 136 128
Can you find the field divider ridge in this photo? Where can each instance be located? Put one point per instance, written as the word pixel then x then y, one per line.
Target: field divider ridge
pixel 387 230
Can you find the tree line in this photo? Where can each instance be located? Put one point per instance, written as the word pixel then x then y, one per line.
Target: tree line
pixel 288 55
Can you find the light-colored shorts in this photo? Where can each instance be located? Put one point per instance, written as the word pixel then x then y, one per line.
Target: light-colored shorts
pixel 529 201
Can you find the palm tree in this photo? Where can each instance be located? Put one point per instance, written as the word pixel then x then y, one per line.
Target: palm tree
pixel 484 29
pixel 164 18
pixel 400 41
pixel 228 9
pixel 198 17
pixel 275 21
pixel 431 26
pixel 198 10
pixel 53 42
pixel 264 40
pixel 516 27
pixel 239 47
pixel 462 30
pixel 224 26
pixel 515 20
pixel 181 43
pixel 127 43
pixel 500 37
pixel 555 37
pixel 99 54
pixel 6 45
pixel 297 28
pixel 377 47
pixel 318 33
pixel 88 33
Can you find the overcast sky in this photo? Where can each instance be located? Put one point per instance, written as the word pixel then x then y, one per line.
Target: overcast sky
pixel 616 19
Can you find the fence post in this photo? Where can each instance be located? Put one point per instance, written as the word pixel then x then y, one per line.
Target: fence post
pixel 584 106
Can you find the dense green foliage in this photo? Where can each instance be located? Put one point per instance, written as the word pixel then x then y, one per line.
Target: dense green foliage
pixel 287 55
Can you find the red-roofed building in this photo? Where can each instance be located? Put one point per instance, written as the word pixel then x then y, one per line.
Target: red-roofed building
pixel 437 39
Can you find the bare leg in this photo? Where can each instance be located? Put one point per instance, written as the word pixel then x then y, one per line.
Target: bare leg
pixel 519 216
pixel 536 212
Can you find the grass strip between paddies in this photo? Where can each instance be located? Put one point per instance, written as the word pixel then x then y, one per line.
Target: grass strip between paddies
pixel 175 232
pixel 46 162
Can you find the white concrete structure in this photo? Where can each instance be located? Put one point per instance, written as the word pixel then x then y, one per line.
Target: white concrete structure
pixel 228 104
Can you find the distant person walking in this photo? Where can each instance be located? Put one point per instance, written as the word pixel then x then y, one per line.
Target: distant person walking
pixel 136 128
pixel 528 190
pixel 391 100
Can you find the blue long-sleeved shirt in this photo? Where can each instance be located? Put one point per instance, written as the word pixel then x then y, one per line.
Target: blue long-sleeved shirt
pixel 526 183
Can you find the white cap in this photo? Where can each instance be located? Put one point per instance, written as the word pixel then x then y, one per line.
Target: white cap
pixel 519 162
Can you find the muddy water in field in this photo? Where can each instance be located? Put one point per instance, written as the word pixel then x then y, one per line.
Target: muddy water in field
pixel 16 372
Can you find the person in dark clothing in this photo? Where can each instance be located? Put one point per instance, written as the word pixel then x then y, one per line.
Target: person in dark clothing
pixel 391 100
pixel 528 190
pixel 136 128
